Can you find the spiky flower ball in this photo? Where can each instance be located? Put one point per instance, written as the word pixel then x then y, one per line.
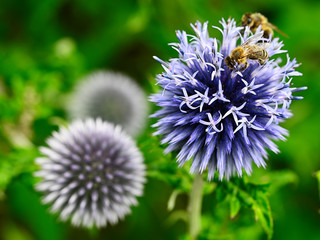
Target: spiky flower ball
pixel 223 119
pixel 91 173
pixel 112 96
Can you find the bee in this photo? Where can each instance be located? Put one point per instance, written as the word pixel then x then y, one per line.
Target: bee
pixel 250 49
pixel 254 20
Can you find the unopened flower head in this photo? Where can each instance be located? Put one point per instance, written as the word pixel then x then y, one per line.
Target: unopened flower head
pixel 114 97
pixel 223 119
pixel 91 173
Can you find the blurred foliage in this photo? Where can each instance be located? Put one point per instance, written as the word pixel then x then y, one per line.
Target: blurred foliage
pixel 47 46
pixel 317 175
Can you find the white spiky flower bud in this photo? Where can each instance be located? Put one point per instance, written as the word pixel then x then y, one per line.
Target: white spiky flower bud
pixel 112 96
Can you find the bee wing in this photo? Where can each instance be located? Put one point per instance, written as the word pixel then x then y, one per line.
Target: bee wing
pixel 274 27
pixel 252 49
pixel 253 39
pixel 263 45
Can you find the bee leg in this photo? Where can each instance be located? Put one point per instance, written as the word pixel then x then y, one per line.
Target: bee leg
pixel 260 61
pixel 245 65
pixel 267 32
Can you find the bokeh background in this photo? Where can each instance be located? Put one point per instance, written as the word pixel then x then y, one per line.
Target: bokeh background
pixel 47 46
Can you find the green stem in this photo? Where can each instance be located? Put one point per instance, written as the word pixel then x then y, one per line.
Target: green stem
pixel 194 207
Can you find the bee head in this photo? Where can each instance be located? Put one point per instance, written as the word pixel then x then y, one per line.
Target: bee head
pixel 228 61
pixel 246 20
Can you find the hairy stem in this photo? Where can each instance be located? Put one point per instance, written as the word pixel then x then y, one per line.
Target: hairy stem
pixel 194 207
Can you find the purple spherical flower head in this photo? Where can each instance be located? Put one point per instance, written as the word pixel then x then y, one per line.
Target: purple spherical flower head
pixel 92 173
pixel 220 118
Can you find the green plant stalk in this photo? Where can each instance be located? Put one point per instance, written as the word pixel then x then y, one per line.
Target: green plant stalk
pixel 194 207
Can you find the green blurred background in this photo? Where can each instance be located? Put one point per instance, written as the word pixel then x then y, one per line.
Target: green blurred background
pixel 46 46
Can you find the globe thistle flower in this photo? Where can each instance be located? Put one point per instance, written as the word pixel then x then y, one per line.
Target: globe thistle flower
pixel 92 173
pixel 223 119
pixel 113 97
